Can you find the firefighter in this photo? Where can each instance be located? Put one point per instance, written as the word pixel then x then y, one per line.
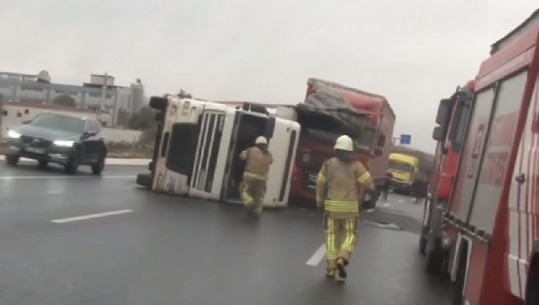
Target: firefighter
pixel 337 190
pixel 387 184
pixel 253 186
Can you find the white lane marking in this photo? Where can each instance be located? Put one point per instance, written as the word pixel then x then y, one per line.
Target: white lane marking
pixel 317 257
pixel 401 201
pixel 90 216
pixel 65 177
pixel 386 204
pixel 110 161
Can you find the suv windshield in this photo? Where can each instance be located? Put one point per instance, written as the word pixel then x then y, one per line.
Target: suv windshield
pixel 58 122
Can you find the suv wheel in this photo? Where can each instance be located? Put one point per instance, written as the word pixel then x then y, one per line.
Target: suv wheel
pixel 72 166
pixel 97 168
pixel 12 159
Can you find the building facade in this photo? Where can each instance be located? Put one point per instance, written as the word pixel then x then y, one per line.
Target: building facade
pixel 101 94
pixel 14 114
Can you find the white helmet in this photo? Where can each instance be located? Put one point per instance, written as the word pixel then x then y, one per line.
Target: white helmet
pixel 344 143
pixel 261 140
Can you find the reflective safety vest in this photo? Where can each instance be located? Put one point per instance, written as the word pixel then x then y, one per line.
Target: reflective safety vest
pixel 337 186
pixel 258 163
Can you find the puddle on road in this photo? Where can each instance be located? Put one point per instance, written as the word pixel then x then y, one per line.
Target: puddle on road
pixel 384 225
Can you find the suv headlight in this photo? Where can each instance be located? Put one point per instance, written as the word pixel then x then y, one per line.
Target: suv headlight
pixel 12 134
pixel 64 143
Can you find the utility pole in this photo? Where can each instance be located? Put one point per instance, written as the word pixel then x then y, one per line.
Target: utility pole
pixel 1 112
pixel 103 96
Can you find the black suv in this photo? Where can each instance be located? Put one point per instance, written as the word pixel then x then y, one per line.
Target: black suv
pixel 58 138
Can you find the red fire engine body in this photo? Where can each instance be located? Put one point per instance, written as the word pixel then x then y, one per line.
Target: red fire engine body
pixel 449 136
pixel 491 224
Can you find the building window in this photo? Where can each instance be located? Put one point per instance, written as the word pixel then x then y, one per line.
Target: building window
pixel 26 111
pixel 19 114
pixel 98 95
pixel 66 92
pixel 4 113
pixel 31 89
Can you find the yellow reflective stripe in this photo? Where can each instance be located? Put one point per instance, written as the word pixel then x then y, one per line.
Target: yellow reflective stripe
pixel 349 210
pixel 365 177
pixel 342 206
pixel 254 176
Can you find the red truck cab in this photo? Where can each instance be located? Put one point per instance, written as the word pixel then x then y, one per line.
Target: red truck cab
pixel 330 110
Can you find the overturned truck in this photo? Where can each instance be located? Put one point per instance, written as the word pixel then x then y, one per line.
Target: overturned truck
pixel 198 145
pixel 330 110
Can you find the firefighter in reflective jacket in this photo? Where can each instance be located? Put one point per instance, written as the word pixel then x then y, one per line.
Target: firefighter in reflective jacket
pixel 253 186
pixel 337 190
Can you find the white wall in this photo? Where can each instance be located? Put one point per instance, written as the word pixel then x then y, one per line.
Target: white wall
pixel 121 135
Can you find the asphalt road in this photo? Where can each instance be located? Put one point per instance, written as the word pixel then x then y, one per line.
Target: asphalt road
pixel 100 240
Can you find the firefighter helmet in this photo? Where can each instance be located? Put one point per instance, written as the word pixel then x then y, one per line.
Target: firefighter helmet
pixel 345 143
pixel 261 140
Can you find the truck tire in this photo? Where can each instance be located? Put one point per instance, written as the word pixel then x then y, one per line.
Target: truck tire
pixel 458 298
pixel 435 259
pixel 532 293
pixel 145 180
pixel 12 160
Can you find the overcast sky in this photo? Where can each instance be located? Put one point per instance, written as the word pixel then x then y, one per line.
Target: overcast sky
pixel 414 52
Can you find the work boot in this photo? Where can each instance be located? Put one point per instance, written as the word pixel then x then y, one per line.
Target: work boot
pixel 249 211
pixel 330 273
pixel 341 264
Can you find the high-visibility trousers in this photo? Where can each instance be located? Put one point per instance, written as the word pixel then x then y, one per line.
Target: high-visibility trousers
pixel 341 238
pixel 252 192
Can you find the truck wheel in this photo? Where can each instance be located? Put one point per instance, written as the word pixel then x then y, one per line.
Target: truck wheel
pixel 43 163
pixel 458 298
pixel 532 293
pixel 12 159
pixel 435 259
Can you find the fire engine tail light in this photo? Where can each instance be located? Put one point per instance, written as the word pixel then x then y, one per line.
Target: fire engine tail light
pixel 295 172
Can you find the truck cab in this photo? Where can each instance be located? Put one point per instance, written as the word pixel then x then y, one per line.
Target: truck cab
pixel 405 170
pixel 329 111
pixel 198 146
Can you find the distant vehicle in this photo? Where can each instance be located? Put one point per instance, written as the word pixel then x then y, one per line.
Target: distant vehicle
pixel 405 170
pixel 67 140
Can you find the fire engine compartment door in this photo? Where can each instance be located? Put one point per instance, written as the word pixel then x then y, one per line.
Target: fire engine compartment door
pixel 521 201
pixel 473 149
pixel 498 150
pixel 177 150
pixel 209 155
pixel 247 127
pixel 283 148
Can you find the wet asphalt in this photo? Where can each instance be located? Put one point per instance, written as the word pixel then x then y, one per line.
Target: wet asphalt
pixel 160 249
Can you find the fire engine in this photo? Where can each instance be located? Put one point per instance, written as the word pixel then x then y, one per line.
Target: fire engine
pixel 198 145
pixel 490 225
pixel 453 119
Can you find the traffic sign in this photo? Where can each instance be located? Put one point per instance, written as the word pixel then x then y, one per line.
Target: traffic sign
pixel 406 139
